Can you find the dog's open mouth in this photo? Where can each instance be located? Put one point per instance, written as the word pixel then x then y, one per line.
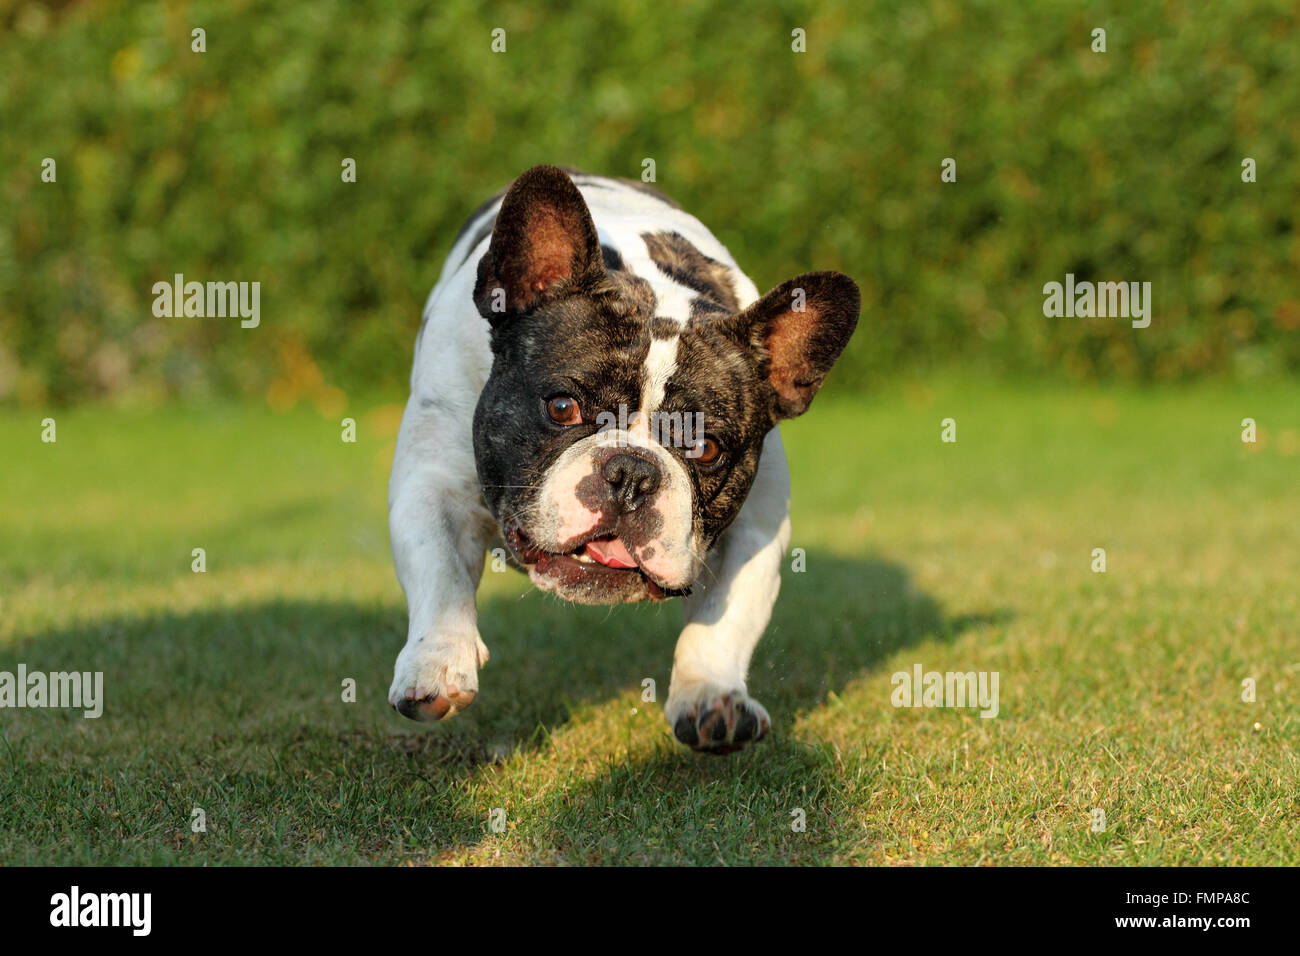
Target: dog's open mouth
pixel 600 563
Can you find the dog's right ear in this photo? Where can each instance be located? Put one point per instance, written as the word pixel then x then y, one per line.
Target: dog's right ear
pixel 543 244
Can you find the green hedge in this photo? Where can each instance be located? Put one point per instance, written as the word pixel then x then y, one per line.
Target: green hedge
pixel 225 165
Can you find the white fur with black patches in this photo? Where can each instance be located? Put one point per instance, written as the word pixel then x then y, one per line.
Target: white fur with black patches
pixel 438 553
pixel 478 400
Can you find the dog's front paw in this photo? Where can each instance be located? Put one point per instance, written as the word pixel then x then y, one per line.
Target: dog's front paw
pixel 716 721
pixel 437 677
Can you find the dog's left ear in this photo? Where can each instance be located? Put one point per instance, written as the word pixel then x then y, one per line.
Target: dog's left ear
pixel 543 242
pixel 797 331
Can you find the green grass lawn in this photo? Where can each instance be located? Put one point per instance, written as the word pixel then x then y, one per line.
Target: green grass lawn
pixel 1119 691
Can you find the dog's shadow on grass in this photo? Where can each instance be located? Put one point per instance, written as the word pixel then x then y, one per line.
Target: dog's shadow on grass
pixel 263 692
pixel 834 619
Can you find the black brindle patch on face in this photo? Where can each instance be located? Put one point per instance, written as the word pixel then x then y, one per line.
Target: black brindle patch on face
pixel 590 346
pixel 678 259
pixel 719 378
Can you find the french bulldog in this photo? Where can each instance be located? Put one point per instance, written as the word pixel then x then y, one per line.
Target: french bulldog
pixel 597 383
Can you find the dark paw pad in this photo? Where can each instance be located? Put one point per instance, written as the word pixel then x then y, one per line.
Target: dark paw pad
pixel 433 707
pixel 722 724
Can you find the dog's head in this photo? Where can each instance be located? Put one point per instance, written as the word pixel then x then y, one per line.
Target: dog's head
pixel 615 445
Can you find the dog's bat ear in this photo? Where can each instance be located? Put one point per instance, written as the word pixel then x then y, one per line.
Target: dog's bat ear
pixel 543 245
pixel 797 331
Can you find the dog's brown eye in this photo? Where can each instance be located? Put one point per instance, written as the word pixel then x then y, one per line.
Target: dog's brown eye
pixel 564 410
pixel 705 451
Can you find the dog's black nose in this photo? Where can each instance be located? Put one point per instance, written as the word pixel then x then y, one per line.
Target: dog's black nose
pixel 631 479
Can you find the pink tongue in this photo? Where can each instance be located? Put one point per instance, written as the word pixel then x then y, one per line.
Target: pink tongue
pixel 612 553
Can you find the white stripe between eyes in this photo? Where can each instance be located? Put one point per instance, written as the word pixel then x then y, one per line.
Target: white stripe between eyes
pixel 660 364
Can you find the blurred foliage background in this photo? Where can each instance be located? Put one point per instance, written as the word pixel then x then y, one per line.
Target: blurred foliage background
pixel 225 165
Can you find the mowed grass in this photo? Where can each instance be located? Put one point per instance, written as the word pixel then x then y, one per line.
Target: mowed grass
pixel 1119 691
